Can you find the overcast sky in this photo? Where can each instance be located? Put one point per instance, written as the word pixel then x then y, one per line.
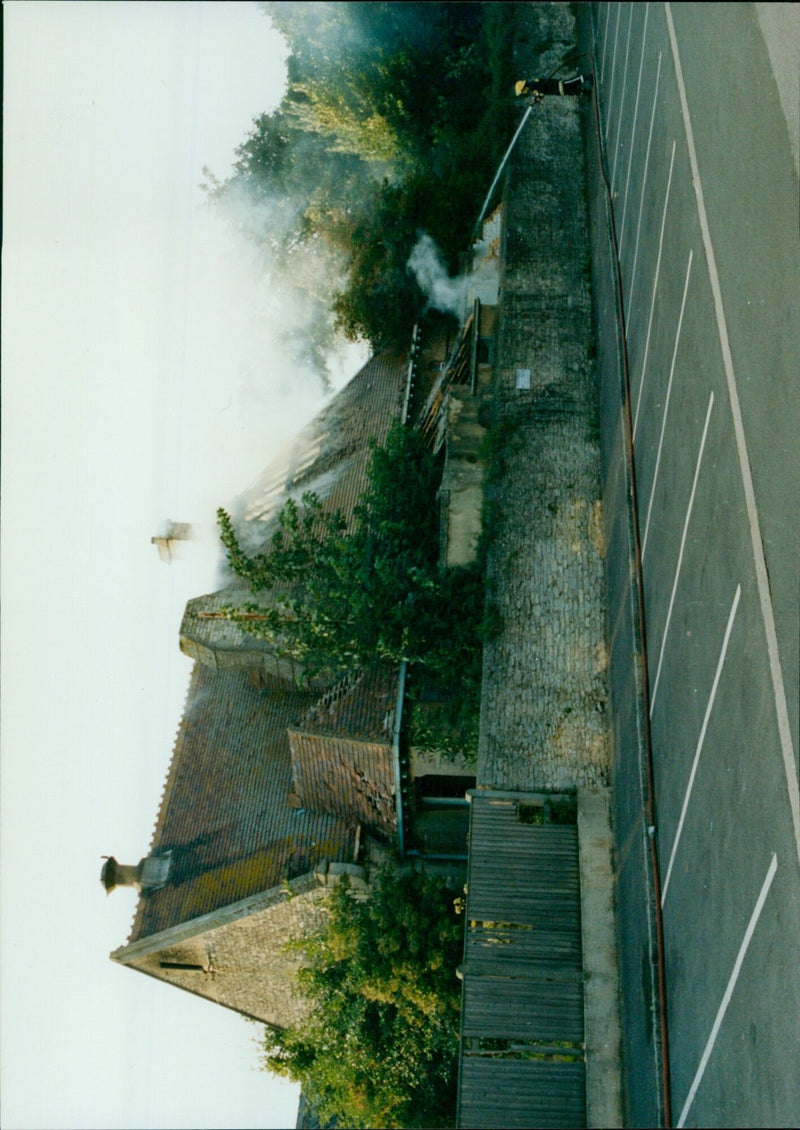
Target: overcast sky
pixel 139 384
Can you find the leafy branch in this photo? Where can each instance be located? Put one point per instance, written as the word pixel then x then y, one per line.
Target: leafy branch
pixel 379 1044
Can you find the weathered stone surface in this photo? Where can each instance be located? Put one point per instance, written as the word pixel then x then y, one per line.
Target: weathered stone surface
pixel 543 711
pixel 600 962
pixel 244 963
pixel 461 491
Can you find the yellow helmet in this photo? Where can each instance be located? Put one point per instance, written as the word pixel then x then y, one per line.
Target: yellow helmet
pixel 520 86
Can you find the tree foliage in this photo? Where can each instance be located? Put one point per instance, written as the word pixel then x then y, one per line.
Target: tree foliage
pixel 393 122
pixel 336 595
pixel 379 1046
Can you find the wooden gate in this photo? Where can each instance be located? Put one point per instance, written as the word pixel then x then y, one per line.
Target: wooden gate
pixel 522 1058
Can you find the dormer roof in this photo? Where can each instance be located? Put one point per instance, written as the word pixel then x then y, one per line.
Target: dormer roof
pixel 225 813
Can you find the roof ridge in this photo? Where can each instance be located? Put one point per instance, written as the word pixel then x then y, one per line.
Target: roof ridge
pixel 168 786
pixel 180 735
pixel 368 680
pixel 292 466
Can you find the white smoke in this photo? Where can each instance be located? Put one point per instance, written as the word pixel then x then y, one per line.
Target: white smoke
pixel 239 367
pixel 443 292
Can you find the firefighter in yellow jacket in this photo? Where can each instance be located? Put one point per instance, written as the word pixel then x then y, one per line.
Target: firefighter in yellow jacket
pixel 539 87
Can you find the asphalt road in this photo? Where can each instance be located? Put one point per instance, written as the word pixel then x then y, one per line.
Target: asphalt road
pixel 704 185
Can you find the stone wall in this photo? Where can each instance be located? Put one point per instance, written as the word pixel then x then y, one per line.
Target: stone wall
pixel 461 490
pixel 543 710
pixel 241 960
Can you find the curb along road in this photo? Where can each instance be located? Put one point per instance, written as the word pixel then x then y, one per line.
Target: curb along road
pixel 645 1042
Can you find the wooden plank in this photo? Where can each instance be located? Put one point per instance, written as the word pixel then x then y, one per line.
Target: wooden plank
pixel 522 972
pixel 521 1093
pixel 523 1010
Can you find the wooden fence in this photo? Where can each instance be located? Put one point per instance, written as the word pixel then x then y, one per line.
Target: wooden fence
pixel 460 369
pixel 522 1060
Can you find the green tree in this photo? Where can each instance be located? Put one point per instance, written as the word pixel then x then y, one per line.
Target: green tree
pixel 379 1046
pixel 393 122
pixel 335 595
pixel 380 300
pixel 343 114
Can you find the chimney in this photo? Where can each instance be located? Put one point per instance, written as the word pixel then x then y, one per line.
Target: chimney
pixel 170 537
pixel 149 874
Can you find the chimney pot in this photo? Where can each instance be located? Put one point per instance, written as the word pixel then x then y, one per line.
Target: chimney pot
pixel 116 874
pixel 148 874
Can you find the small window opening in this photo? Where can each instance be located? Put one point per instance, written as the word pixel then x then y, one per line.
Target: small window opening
pixel 563 810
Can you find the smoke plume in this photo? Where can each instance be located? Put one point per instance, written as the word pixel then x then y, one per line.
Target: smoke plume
pixel 444 293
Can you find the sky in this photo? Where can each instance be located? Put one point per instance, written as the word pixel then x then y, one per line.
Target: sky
pixel 141 383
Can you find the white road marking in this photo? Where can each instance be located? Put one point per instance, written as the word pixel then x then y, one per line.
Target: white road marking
pixel 613 72
pixel 680 555
pixel 653 296
pixel 723 1008
pixel 633 132
pixel 666 405
pixel 644 182
pixel 701 740
pixel 605 43
pixel 762 577
pixel 622 99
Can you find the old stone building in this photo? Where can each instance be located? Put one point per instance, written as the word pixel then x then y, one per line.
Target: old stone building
pixel 275 790
pixel 278 783
pixel 275 787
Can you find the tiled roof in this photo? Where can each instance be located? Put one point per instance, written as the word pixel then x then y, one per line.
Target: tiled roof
pixel 225 814
pixel 340 775
pixel 361 705
pixel 342 749
pixel 331 455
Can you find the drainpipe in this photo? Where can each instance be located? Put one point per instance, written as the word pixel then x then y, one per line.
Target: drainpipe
pixel 411 367
pixel 476 329
pixel 441 857
pixel 398 787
